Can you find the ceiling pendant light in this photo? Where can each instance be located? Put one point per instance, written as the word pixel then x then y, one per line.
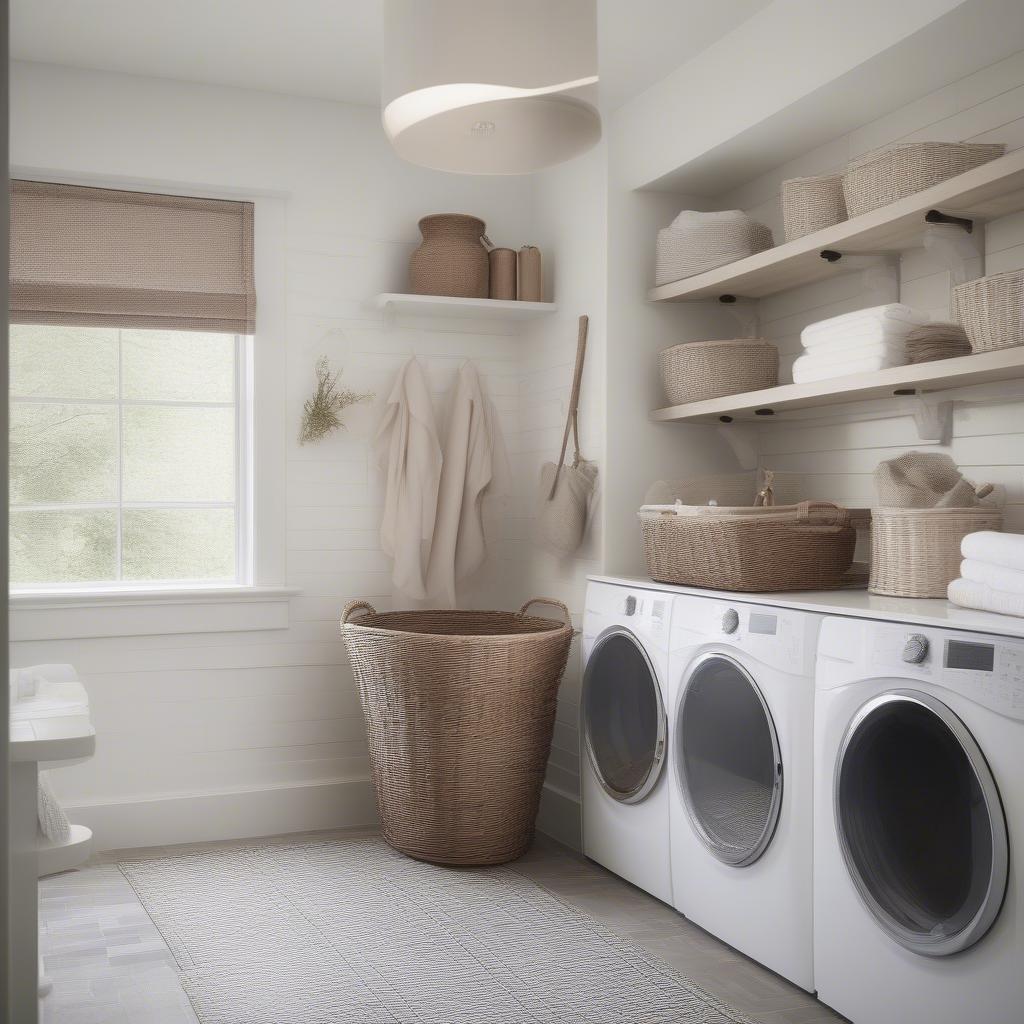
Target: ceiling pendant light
pixel 490 86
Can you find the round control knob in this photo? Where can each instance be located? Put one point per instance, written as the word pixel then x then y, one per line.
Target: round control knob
pixel 916 649
pixel 730 621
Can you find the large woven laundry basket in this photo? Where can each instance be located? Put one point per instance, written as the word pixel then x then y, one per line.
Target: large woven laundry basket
pixel 460 707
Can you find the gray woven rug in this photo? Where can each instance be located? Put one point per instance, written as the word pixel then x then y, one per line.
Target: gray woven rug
pixel 351 932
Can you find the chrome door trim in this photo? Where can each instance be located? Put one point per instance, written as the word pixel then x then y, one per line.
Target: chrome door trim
pixel 998 876
pixel 661 744
pixel 775 807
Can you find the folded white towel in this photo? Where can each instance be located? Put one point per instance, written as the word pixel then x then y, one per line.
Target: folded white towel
pixel 866 334
pixel 893 315
pixel 970 594
pixel 807 369
pixel 845 354
pixel 1006 549
pixel 996 576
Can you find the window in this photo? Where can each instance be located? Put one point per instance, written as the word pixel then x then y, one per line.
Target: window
pixel 129 457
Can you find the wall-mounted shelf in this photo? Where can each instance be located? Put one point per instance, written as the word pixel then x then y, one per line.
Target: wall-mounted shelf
pixel 992 190
pixel 468 309
pixel 941 375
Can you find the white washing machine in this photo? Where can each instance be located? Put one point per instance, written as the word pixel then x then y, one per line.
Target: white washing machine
pixel 624 734
pixel 919 805
pixel 741 691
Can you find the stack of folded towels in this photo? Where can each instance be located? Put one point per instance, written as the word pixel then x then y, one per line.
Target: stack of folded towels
pixel 858 342
pixel 991 574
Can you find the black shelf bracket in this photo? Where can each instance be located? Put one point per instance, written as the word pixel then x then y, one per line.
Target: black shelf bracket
pixel 830 255
pixel 938 217
pixel 728 300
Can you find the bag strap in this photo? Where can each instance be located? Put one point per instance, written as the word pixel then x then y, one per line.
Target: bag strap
pixel 572 420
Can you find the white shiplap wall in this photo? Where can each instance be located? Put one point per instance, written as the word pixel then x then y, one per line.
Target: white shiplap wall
pixel 219 734
pixel 838 456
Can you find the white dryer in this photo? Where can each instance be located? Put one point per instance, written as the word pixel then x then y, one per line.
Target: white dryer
pixel 919 757
pixel 624 732
pixel 741 690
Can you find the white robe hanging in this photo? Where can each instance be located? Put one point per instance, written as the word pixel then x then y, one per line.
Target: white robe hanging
pixel 409 451
pixel 475 464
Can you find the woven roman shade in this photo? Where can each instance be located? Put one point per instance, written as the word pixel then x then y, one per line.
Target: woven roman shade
pixel 99 257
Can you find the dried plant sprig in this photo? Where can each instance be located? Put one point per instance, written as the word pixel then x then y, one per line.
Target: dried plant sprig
pixel 320 413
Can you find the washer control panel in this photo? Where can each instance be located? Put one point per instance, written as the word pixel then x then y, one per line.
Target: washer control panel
pixel 987 669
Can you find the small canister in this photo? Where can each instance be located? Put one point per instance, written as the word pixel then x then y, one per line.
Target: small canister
pixel 503 273
pixel 530 288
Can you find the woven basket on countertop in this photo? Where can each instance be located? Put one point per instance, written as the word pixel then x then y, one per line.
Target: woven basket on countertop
pixel 991 310
pixel 788 547
pixel 460 707
pixel 810 204
pixel 895 172
pixel 915 552
pixel 699 370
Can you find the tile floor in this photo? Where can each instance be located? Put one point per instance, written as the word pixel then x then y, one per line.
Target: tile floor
pixel 109 965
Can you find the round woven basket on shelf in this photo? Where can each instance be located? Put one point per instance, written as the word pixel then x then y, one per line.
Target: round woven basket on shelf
pixel 696 242
pixel 991 310
pixel 786 547
pixel 915 552
pixel 895 172
pixel 810 204
pixel 699 370
pixel 459 707
pixel 451 259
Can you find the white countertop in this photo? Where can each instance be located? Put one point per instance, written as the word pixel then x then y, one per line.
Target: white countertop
pixel 858 604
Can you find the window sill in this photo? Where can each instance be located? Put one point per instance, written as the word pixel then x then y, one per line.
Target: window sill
pixel 66 615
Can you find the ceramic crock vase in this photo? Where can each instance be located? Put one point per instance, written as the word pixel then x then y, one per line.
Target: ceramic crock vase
pixel 451 259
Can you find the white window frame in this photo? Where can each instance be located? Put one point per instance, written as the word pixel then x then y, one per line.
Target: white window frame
pixel 260 598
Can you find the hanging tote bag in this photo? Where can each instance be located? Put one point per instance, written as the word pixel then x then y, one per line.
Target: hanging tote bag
pixel 566 490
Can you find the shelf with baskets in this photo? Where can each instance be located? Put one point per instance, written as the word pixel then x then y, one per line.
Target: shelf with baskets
pixel 992 190
pixel 459 308
pixel 940 375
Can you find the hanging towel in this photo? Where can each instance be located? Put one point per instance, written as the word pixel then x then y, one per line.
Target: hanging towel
pixel 996 576
pixel 408 449
pixel 807 369
pixel 970 594
pixel 1006 549
pixel 475 464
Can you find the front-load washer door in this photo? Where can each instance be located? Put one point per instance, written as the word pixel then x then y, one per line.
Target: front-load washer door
pixel 920 823
pixel 624 719
pixel 727 760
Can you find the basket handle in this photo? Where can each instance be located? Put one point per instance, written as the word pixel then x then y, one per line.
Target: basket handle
pixel 822 513
pixel 551 601
pixel 354 606
pixel 985 490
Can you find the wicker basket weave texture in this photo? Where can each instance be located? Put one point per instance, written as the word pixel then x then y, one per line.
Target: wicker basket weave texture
pixel 936 341
pixel 895 172
pixel 991 310
pixel 810 204
pixel 703 245
pixel 460 708
pixel 789 547
pixel 916 552
pixel 451 260
pixel 699 370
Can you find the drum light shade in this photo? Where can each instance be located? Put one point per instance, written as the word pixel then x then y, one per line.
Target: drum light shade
pixel 490 86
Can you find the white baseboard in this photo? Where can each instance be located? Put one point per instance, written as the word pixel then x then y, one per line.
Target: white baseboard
pixel 239 814
pixel 560 816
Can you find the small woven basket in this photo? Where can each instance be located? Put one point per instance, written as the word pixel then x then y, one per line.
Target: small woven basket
pixel 915 552
pixel 991 310
pixel 705 244
pixel 810 204
pixel 699 370
pixel 788 547
pixel 459 707
pixel 886 175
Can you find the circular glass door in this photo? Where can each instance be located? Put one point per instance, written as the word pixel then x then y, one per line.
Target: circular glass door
pixel 728 761
pixel 623 716
pixel 920 823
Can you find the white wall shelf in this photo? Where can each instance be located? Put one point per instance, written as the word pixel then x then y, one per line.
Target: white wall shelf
pixel 56 857
pixel 920 378
pixel 992 190
pixel 468 309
